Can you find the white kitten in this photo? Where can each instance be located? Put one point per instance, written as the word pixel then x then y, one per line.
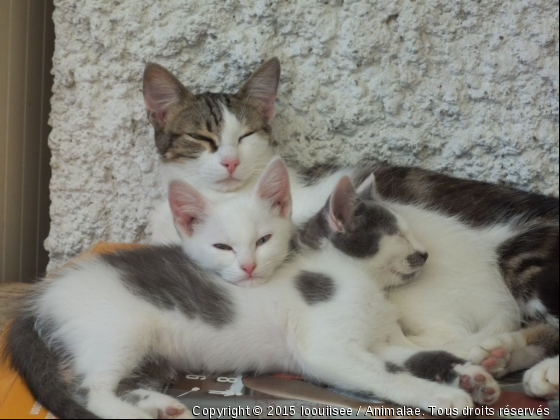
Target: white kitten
pixel 239 239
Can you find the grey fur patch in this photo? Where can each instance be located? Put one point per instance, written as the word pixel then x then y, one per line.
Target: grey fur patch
pixel 168 279
pixel 313 232
pixel 132 399
pixel 475 203
pixel 181 147
pixel 153 374
pixel 315 287
pixel 370 224
pixel 393 368
pixel 82 396
pixel 83 393
pixel 436 366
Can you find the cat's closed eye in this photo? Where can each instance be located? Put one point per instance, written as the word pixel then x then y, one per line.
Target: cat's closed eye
pixel 245 136
pixel 223 247
pixel 205 139
pixel 264 240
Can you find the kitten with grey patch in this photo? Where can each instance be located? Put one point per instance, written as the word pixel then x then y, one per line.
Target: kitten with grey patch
pixel 101 323
pixel 494 248
pixel 507 238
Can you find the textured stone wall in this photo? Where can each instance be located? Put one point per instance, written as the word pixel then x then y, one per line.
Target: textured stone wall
pixel 467 87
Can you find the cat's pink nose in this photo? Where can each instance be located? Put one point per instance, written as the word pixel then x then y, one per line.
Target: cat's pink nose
pixel 249 268
pixel 231 164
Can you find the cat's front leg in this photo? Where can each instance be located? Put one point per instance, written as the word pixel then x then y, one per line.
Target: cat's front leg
pixel 445 368
pixel 355 370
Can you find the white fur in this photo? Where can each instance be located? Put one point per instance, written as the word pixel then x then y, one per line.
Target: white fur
pixel 240 229
pixel 461 290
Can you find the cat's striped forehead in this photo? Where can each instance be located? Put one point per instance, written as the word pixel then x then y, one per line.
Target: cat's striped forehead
pixel 204 123
pixel 188 126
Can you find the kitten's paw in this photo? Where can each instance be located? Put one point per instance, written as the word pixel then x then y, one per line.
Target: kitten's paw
pixel 455 403
pixel 176 412
pixel 479 384
pixel 162 406
pixel 541 381
pixel 495 353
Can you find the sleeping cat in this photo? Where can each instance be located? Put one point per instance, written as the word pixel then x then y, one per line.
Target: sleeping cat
pixel 495 248
pixel 87 331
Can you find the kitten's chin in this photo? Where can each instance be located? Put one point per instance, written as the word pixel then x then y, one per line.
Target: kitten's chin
pixel 252 283
pixel 401 279
pixel 228 184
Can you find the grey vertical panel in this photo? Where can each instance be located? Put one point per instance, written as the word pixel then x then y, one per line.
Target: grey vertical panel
pixel 15 139
pixel 27 46
pixel 4 73
pixel 32 140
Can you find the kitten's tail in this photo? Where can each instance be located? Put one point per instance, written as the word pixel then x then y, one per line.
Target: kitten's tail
pixel 39 366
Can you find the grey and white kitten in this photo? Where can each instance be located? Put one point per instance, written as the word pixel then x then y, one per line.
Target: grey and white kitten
pixel 88 336
pixel 495 249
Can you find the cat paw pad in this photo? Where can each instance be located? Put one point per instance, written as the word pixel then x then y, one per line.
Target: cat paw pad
pixel 542 380
pixel 494 354
pixel 174 413
pixel 479 384
pixel 164 407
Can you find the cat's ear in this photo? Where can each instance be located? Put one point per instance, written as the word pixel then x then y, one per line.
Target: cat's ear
pixel 367 188
pixel 163 93
pixel 274 187
pixel 342 206
pixel 262 87
pixel 188 206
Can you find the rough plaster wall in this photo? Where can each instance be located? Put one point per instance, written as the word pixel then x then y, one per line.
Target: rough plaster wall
pixel 465 87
